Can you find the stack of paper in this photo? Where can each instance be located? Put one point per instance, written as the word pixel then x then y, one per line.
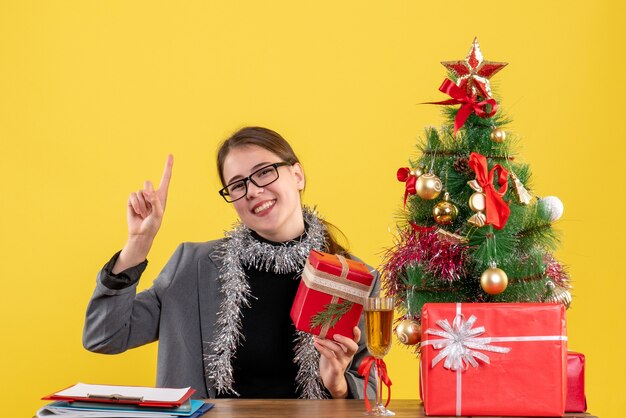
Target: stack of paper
pixel 106 401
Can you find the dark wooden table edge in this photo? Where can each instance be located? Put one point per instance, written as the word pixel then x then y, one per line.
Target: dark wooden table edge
pixel 412 407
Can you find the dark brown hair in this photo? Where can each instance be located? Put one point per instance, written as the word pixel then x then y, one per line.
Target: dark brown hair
pixel 276 144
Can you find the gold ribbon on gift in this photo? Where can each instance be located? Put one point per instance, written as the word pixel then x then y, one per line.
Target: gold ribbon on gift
pixel 337 287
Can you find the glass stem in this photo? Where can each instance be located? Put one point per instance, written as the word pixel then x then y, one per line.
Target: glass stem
pixel 379 389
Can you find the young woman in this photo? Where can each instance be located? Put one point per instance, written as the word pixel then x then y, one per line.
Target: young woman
pixel 220 309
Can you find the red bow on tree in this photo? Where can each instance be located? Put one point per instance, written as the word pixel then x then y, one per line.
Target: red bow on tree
pixel 469 104
pixel 404 174
pixel 496 210
pixel 364 370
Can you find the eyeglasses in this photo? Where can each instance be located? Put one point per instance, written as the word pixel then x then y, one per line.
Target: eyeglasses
pixel 260 178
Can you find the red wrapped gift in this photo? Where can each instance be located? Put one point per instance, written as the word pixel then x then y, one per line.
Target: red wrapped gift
pixel 331 295
pixel 576 400
pixel 491 359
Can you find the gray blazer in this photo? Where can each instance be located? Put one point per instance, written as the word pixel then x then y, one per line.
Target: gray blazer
pixel 179 310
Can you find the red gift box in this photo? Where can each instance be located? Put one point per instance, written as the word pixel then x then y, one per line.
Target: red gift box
pixel 492 359
pixel 331 279
pixel 576 400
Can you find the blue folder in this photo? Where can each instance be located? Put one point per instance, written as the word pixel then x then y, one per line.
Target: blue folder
pixel 195 410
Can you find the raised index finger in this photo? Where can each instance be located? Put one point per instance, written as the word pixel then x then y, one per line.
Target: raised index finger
pixel 167 173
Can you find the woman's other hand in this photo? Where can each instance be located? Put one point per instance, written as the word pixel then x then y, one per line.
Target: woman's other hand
pixel 335 357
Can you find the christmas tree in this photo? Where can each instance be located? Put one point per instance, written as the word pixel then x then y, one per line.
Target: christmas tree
pixel 471 229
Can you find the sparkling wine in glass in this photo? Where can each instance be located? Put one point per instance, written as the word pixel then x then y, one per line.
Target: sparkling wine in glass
pixel 378 331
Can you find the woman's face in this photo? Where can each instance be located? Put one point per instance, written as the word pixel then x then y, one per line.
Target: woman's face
pixel 273 211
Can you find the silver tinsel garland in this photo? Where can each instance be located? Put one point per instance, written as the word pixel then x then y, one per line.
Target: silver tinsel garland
pixel 240 250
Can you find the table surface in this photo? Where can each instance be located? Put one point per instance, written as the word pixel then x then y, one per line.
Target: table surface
pixel 336 408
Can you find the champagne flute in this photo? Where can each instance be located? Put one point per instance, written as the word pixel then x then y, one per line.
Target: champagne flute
pixel 378 331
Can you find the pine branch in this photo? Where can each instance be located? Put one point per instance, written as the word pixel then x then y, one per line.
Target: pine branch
pixel 538 231
pixel 430 152
pixel 535 230
pixel 331 314
pixel 527 279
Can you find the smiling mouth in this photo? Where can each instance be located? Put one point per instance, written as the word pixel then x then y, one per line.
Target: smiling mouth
pixel 264 206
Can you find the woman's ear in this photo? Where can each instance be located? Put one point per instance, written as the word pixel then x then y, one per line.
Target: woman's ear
pixel 298 173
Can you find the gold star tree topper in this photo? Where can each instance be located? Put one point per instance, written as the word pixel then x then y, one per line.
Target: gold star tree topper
pixel 473 73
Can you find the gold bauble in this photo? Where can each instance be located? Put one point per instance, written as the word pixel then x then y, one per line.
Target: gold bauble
pixel 416 172
pixel 498 135
pixel 560 294
pixel 409 332
pixel 428 186
pixel 494 281
pixel 477 202
pixel 445 212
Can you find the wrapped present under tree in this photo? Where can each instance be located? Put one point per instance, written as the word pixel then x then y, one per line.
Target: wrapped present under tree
pixel 494 359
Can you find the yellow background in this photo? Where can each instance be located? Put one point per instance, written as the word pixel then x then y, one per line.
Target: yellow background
pixel 93 95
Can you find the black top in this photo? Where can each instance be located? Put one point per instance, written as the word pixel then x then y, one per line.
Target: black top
pixel 125 278
pixel 263 365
